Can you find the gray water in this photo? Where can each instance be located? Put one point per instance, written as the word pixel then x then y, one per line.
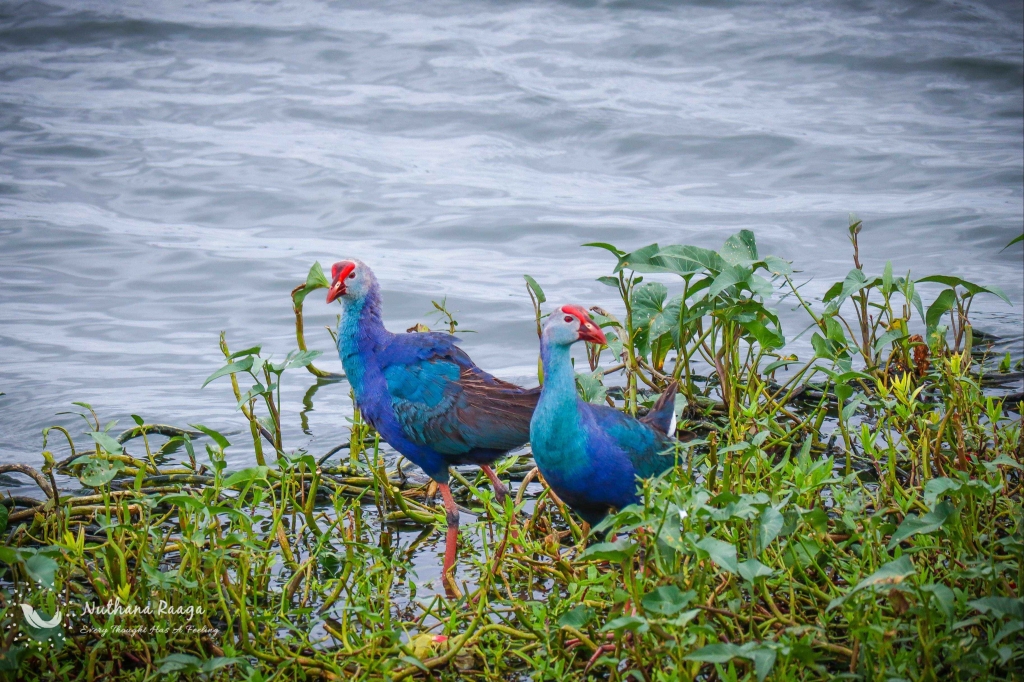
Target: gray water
pixel 172 169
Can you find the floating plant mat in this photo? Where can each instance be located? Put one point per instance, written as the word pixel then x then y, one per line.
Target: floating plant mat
pixel 856 513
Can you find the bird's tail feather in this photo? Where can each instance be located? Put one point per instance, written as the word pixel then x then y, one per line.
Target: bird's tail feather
pixel 662 415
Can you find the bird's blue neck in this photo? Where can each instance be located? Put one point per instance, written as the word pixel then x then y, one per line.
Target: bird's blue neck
pixel 559 378
pixel 361 334
pixel 556 431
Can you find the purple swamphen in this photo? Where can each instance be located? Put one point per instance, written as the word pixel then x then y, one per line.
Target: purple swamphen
pixel 591 455
pixel 424 395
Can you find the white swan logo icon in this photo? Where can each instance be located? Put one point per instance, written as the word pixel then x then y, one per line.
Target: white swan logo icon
pixel 37 621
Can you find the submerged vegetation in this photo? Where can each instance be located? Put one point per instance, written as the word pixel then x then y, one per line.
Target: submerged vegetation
pixel 853 514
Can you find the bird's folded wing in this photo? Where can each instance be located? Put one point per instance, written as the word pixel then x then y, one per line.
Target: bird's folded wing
pixel 445 402
pixel 648 449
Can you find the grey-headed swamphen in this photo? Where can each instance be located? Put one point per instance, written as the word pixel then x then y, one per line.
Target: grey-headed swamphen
pixel 424 395
pixel 592 455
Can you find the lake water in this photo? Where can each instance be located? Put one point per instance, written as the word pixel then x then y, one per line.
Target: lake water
pixel 172 169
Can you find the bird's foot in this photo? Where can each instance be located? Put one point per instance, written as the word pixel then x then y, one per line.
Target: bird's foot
pixel 451 588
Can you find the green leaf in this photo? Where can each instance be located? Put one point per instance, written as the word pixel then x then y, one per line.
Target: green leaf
pixel 106 442
pixel 768 338
pixel 1016 240
pixel 915 525
pixel 99 472
pixel 1005 461
pixel 888 338
pixel 1009 628
pixel 12 659
pixel 41 569
pixel 944 596
pixel 256 390
pixel 606 247
pixel 244 476
pixel 778 363
pixel 245 352
pixel 642 260
pixel 769 526
pixel 179 663
pixel 183 500
pixel 817 519
pixel 626 624
pixel 316 279
pixel 887 277
pixel 221 662
pixel 714 653
pixel 537 291
pixel 764 660
pixel 648 300
pixel 892 573
pixel 686 260
pixel 753 569
pixel 730 276
pixel 577 618
pixel 832 292
pixel 230 368
pixel 848 410
pixel 10 555
pixel 415 662
pixel 740 249
pixel 619 550
pixel 610 281
pixel 215 435
pixel 999 606
pixel 667 320
pixel 854 282
pixel 760 286
pixel 722 553
pixel 591 387
pixel 821 347
pixel 939 307
pixel 971 287
pixel 301 358
pixel 667 600
pixel 834 331
pixel 778 266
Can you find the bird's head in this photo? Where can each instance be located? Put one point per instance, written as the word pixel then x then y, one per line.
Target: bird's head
pixel 350 279
pixel 571 323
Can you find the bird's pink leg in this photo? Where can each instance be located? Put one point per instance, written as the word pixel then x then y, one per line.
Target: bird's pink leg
pixel 500 491
pixel 451 540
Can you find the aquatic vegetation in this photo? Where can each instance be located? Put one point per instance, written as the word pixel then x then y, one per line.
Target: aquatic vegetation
pixel 856 513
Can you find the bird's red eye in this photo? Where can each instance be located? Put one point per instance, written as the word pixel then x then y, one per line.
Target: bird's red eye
pixel 568 318
pixel 353 275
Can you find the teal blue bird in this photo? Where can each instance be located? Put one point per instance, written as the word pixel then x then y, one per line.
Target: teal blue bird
pixel 592 455
pixel 424 395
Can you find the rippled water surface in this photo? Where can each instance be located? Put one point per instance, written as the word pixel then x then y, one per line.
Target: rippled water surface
pixel 171 169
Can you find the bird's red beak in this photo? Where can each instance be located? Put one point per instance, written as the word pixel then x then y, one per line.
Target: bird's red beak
pixel 589 331
pixel 339 272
